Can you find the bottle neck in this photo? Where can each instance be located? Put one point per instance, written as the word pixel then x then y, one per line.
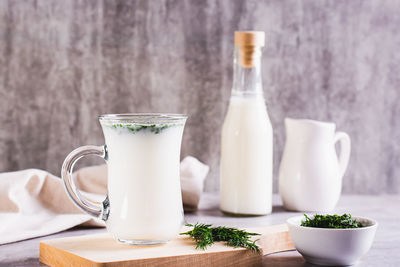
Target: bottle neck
pixel 247 79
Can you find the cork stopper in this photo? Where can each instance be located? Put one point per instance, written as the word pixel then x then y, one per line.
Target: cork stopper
pixel 250 43
pixel 250 38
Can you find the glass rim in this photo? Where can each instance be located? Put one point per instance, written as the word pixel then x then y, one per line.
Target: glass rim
pixel 144 117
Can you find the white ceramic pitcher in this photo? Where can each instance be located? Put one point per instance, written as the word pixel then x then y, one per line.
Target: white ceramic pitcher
pixel 310 174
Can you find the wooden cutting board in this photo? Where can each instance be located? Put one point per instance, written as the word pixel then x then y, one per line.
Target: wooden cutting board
pixel 102 250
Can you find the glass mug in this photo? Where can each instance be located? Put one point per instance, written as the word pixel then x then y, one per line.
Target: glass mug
pixel 144 202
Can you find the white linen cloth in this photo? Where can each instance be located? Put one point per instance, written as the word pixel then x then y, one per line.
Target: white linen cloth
pixel 34 203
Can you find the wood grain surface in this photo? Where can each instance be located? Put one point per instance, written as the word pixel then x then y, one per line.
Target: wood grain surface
pixel 102 250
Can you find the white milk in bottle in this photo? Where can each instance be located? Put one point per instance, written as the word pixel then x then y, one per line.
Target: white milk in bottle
pixel 246 152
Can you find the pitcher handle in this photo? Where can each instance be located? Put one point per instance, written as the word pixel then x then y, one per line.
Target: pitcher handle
pixel 98 211
pixel 345 148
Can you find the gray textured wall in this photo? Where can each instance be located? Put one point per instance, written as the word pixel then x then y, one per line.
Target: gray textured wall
pixel 62 63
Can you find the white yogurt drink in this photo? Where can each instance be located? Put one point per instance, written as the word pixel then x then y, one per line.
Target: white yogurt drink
pixel 144 201
pixel 143 179
pixel 246 157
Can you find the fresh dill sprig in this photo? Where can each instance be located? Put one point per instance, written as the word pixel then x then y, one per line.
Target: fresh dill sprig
pixel 331 221
pixel 205 235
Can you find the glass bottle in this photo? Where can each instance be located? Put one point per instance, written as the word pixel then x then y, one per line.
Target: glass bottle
pixel 246 144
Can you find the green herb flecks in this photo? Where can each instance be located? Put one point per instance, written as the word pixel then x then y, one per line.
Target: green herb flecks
pixel 134 128
pixel 331 221
pixel 205 236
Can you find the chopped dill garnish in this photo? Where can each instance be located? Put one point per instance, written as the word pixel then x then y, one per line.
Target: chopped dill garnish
pixel 331 221
pixel 205 235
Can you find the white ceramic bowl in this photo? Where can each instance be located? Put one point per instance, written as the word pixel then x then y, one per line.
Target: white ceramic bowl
pixel 324 246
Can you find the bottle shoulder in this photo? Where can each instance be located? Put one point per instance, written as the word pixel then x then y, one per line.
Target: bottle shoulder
pixel 244 107
pixel 247 117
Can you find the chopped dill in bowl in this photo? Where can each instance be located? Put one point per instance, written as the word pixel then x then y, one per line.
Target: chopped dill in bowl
pixel 331 221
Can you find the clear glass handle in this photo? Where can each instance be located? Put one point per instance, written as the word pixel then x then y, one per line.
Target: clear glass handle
pixel 98 211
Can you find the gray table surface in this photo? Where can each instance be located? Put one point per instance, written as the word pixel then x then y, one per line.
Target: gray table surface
pixel 384 252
